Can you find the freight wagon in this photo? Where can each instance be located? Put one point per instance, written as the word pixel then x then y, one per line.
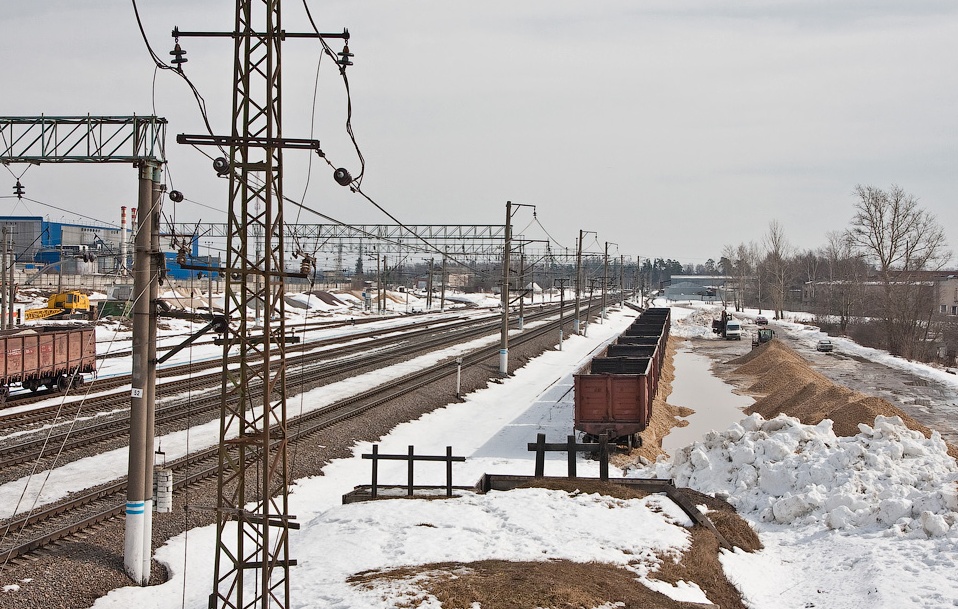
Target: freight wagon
pixel 615 397
pixel 50 356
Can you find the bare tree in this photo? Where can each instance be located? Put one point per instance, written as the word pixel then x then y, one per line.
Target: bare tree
pixel 846 272
pixel 738 263
pixel 901 239
pixel 778 266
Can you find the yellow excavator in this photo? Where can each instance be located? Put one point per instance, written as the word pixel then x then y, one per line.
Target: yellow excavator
pixel 65 305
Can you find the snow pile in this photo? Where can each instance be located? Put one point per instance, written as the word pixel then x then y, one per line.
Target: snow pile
pixel 696 324
pixel 781 471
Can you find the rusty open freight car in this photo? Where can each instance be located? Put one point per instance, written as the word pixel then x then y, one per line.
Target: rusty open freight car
pixel 54 356
pixel 615 397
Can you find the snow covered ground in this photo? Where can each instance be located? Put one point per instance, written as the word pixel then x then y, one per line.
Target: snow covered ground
pixel 867 521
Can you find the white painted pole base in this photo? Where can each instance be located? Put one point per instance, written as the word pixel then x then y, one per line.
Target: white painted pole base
pixel 503 362
pixel 138 541
pixel 560 340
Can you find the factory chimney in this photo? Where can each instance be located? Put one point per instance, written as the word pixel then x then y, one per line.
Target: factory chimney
pixel 123 266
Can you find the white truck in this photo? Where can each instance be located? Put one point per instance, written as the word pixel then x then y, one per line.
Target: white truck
pixel 733 329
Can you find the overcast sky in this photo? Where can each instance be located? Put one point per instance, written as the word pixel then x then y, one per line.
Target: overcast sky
pixel 669 128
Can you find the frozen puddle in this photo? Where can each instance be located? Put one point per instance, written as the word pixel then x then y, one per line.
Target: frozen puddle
pixel 715 405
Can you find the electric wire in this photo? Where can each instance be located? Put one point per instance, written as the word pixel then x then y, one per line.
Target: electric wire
pixel 201 102
pixel 357 181
pixel 349 100
pixel 312 126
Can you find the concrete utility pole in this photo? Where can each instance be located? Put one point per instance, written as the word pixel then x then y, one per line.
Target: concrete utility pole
pixel 605 281
pixel 622 280
pixel 522 287
pixel 429 285
pixel 506 253
pixel 92 139
pixel 504 337
pixel 578 279
pixel 11 285
pixel 138 553
pixel 5 304
pixel 442 287
pixel 561 283
pixel 60 273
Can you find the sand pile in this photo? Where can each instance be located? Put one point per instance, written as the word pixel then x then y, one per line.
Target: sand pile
pixel 784 382
pixel 665 416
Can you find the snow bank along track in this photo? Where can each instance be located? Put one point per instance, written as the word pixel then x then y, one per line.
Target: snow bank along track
pixel 29 532
pixel 109 414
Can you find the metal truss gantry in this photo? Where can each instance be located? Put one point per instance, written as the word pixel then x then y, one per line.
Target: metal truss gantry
pixel 392 239
pixel 82 139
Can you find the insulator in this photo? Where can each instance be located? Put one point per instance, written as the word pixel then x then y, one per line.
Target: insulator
pixel 178 57
pixel 305 266
pixel 176 196
pixel 342 177
pixel 221 166
pixel 181 256
pixel 344 56
pixel 19 190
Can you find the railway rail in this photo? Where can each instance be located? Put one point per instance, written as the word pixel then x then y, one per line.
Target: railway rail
pixel 300 369
pixel 86 509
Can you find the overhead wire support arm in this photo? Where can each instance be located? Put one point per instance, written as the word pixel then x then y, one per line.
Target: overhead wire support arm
pixel 344 35
pixel 259 142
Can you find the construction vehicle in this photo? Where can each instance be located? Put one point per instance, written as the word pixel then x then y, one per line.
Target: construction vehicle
pixel 728 327
pixel 762 336
pixel 65 305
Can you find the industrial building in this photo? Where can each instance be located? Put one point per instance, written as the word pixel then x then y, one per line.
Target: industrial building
pixel 44 247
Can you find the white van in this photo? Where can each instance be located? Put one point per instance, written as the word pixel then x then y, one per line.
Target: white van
pixel 733 330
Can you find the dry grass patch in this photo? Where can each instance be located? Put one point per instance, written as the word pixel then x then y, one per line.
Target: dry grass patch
pixel 499 584
pixel 555 584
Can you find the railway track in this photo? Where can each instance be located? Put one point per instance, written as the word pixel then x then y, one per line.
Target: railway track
pixel 300 370
pixel 11 421
pixel 39 528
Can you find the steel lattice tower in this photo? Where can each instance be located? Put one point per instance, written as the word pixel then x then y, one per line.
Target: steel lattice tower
pixel 253 486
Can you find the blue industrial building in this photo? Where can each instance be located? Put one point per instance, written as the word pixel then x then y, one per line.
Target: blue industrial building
pixel 42 245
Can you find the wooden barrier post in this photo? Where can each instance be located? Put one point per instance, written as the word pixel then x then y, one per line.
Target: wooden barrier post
pixel 571 449
pixel 409 487
pixel 540 455
pixel 375 457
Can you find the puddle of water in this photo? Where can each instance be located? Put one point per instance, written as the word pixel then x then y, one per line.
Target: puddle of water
pixel 716 406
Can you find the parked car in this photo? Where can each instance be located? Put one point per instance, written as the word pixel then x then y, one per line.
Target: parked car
pixel 824 346
pixel 761 320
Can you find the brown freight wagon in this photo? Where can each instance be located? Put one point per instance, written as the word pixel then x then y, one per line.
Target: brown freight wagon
pixel 615 399
pixel 51 356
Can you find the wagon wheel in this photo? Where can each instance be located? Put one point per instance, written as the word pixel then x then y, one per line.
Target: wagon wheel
pixel 4 393
pixel 63 383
